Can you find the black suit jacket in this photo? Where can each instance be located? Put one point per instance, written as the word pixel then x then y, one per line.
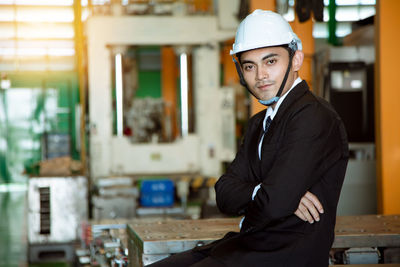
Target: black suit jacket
pixel 304 149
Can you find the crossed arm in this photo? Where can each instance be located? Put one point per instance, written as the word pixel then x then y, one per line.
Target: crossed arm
pixel 277 196
pixel 309 207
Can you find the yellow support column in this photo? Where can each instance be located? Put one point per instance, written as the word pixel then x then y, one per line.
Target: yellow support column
pixel 230 73
pixel 79 40
pixel 262 4
pixel 169 85
pixel 304 32
pixel 387 114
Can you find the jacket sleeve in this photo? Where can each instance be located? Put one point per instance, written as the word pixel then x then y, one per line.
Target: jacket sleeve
pixel 311 144
pixel 235 188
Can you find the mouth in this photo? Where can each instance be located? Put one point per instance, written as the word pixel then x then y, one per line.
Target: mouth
pixel 264 87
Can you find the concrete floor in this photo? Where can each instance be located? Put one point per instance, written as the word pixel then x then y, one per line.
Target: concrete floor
pixel 13 228
pixel 13 234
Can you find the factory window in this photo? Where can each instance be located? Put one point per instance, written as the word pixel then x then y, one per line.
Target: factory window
pixel 37 35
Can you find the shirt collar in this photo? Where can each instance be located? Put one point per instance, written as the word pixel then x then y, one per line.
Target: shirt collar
pixel 271 112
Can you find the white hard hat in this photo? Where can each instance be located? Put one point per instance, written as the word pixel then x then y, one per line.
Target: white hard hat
pixel 264 28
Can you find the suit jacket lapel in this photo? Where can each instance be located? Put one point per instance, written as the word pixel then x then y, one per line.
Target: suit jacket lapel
pixel 253 145
pixel 268 154
pixel 255 163
pixel 293 95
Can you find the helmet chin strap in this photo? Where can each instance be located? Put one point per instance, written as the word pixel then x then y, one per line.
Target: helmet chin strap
pixel 269 102
pixel 275 99
pixel 278 95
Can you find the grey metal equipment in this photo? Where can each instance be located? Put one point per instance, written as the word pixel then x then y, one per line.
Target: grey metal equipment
pixel 56 208
pixel 114 198
pixel 362 256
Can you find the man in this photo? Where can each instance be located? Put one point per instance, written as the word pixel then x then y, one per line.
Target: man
pixel 293 159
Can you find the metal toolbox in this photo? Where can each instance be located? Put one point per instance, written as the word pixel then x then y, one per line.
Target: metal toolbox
pixel 56 208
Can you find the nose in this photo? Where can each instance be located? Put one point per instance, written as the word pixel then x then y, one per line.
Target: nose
pixel 262 73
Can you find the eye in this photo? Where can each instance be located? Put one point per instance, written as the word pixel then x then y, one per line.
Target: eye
pixel 271 61
pixel 248 67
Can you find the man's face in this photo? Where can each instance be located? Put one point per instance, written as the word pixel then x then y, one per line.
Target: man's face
pixel 264 69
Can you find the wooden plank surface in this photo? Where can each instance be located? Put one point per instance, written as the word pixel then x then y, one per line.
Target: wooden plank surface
pixel 208 229
pixel 177 235
pixel 367 231
pixel 368 265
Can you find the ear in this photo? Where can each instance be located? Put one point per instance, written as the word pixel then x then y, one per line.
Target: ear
pixel 297 61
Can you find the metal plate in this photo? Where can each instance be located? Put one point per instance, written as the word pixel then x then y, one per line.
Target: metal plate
pixel 161 237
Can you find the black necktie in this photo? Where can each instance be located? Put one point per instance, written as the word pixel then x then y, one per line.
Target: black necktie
pixel 267 124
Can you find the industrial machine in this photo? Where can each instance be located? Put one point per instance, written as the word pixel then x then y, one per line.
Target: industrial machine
pixel 201 151
pixel 349 87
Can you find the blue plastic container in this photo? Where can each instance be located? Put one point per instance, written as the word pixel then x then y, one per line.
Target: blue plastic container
pixel 157 193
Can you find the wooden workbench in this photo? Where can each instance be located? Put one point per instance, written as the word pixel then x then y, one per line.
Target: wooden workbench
pixel 152 241
pixel 367 231
pixel 367 265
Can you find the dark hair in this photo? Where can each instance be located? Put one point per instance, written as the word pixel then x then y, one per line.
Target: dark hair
pixel 238 55
pixel 286 46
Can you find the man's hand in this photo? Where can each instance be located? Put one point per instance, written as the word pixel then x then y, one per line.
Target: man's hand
pixel 309 208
